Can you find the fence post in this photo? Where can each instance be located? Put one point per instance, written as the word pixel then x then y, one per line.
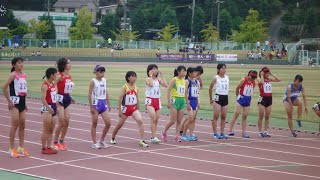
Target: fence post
pixel 82 43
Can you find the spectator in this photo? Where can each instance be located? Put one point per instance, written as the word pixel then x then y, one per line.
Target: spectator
pixel 258 45
pixel 38 53
pixel 110 42
pixel 278 54
pixel 158 52
pixel 24 45
pixel 267 45
pixel 98 45
pixel 33 53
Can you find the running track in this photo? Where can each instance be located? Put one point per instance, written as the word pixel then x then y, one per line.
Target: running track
pixel 278 157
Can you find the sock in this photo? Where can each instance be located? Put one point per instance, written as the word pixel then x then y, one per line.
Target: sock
pixel 112 139
pixel 181 132
pixel 61 141
pixel 55 142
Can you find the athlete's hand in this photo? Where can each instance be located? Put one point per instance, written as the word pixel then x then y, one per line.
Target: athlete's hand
pixel 169 105
pixel 109 108
pixel 10 105
pixel 188 107
pixel 92 109
pixel 306 110
pixel 73 101
pixel 211 102
pixel 26 108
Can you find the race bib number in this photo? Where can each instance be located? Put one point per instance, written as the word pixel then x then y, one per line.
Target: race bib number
pixel 68 87
pixel 194 91
pixel 181 90
pixel 148 102
pixel 224 86
pixel 94 101
pixel 15 99
pixel 59 98
pixel 53 96
pixel 131 100
pixel 260 99
pixel 267 88
pixel 123 109
pixel 216 98
pixel 248 91
pixel 44 108
pixel 172 100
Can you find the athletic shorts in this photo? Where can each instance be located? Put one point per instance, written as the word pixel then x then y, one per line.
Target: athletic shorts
pixel 265 101
pixel 316 106
pixel 193 104
pixel 64 100
pixel 101 106
pixel 222 100
pixel 127 110
pixel 19 102
pixel 178 103
pixel 53 106
pixel 292 99
pixel 153 102
pixel 244 101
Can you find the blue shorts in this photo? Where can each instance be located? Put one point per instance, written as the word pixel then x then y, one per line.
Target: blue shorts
pixel 244 100
pixel 292 99
pixel 66 101
pixel 101 106
pixel 193 104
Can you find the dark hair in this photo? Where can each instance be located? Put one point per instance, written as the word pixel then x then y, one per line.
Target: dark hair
pixel 219 66
pixel 189 71
pixel 298 78
pixel 99 68
pixel 200 69
pixel 151 66
pixel 265 70
pixel 49 72
pixel 14 62
pixel 177 70
pixel 61 64
pixel 129 74
pixel 251 73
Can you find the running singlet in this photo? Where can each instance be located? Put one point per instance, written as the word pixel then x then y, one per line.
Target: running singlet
pixel 222 85
pixel 193 89
pixel 130 98
pixel 18 87
pixel 66 85
pixel 51 93
pixel 294 92
pixel 247 87
pixel 179 88
pixel 154 91
pixel 99 90
pixel 265 89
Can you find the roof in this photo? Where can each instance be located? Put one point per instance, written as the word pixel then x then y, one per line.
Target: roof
pixel 73 3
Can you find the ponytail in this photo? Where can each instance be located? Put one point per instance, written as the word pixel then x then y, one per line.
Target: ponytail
pixel 13 69
pixel 177 70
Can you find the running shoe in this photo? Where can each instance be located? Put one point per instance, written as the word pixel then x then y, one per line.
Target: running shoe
pixel 185 138
pixel 57 146
pixel 299 123
pixel 113 141
pixel 261 134
pixel 194 138
pixel 63 146
pixel 294 134
pixel 96 146
pixel 216 136
pixel 164 137
pixel 13 153
pixel 155 140
pixel 266 134
pixel 143 143
pixel 177 139
pixel 245 135
pixel 52 150
pixel 49 151
pixel 222 136
pixel 230 133
pixel 103 145
pixel 22 151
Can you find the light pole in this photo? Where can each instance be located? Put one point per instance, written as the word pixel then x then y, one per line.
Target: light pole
pixel 193 6
pixel 218 15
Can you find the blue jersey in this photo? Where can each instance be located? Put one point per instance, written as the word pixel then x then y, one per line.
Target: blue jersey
pixel 193 89
pixel 294 92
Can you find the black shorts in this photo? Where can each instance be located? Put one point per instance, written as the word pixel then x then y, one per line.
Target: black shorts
pixel 21 106
pixel 66 101
pixel 53 106
pixel 222 100
pixel 265 101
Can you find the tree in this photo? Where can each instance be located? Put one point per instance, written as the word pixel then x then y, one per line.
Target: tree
pixel 210 33
pixel 198 21
pixel 225 24
pixel 122 35
pixel 83 29
pixel 168 16
pixel 51 34
pixel 139 22
pixel 251 30
pixel 109 23
pixel 38 28
pixel 167 33
pixel 17 27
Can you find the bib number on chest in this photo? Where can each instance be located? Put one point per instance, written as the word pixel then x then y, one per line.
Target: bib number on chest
pixel 194 91
pixel 59 98
pixel 131 99
pixel 267 88
pixel 15 99
pixel 44 108
pixel 68 87
pixel 248 91
pixel 181 90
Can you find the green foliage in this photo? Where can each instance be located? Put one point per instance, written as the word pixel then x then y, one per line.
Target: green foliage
pixel 225 23
pixel 16 26
pixel 5 33
pixel 167 33
pixel 121 35
pixel 38 28
pixel 139 22
pixel 210 33
pixel 168 16
pixel 251 30
pixel 83 29
pixel 51 34
pixel 120 10
pixel 198 21
pixel 109 23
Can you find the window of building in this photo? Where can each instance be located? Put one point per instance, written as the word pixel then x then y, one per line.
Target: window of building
pixel 71 10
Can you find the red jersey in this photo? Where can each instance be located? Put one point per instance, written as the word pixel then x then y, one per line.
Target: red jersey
pixel 265 88
pixel 247 87
pixel 65 86
pixel 131 96
pixel 51 92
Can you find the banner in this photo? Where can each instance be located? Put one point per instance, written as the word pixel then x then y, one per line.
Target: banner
pixel 172 57
pixel 3 14
pixel 227 57
pixel 8 55
pixel 200 57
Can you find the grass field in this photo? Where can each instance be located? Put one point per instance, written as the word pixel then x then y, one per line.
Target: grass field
pixel 82 74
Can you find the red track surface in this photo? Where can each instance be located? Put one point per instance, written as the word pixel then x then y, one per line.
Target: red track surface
pixel 278 157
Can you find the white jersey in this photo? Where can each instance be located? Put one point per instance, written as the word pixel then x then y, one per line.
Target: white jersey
pixel 222 85
pixel 99 90
pixel 154 91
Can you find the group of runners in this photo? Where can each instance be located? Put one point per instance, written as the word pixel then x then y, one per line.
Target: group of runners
pixel 183 93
